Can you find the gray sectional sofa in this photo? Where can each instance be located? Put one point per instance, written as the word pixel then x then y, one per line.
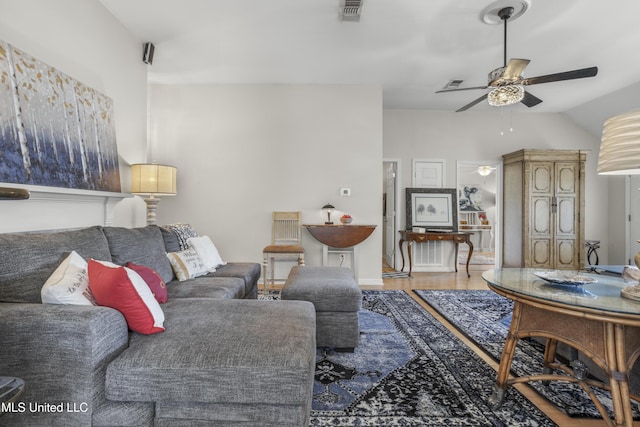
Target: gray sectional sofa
pixel 224 359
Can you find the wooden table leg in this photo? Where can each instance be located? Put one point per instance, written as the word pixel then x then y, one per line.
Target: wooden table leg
pixel 410 259
pixel 455 258
pixel 401 253
pixel 502 382
pixel 615 338
pixel 549 356
pixel 469 256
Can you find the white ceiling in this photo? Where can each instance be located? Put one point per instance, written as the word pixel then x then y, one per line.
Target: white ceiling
pixel 409 47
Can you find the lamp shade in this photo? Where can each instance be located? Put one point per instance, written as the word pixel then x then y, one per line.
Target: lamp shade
pixel 152 178
pixel 620 146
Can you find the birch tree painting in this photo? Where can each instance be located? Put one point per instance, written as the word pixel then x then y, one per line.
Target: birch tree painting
pixel 54 130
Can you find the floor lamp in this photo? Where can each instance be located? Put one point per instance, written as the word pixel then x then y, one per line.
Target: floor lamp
pixel 153 180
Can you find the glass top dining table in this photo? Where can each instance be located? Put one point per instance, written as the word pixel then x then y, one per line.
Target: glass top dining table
pixel 594 291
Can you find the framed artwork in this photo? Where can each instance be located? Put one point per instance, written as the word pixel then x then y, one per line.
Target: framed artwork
pixel 427 173
pixel 470 198
pixel 435 209
pixel 54 130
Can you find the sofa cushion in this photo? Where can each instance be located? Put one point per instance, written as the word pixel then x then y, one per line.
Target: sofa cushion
pixel 28 259
pixel 247 271
pixel 187 264
pixel 207 287
pixel 143 246
pixel 154 281
pixel 221 351
pixel 69 284
pixel 123 289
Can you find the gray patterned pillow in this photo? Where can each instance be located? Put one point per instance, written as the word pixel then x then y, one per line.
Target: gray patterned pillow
pixel 183 232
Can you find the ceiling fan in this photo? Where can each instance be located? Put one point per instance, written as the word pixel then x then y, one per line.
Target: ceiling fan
pixel 507 83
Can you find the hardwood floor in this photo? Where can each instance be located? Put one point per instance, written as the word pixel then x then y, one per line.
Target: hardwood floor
pixel 460 281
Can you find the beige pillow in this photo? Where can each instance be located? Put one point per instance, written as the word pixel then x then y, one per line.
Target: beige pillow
pixel 187 264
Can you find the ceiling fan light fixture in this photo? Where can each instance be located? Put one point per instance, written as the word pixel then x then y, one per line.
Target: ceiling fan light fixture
pixel 506 95
pixel 485 170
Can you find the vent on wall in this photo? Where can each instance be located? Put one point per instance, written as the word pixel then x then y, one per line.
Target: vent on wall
pixel 351 10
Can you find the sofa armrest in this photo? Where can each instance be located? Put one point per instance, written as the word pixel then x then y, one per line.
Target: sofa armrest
pixel 60 351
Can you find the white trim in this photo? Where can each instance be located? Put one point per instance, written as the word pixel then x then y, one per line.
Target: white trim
pixel 371 282
pixel 397 207
pixel 65 202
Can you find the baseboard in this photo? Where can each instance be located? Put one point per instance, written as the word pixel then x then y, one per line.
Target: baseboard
pixel 371 282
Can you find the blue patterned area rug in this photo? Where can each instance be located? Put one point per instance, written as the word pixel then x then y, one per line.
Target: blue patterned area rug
pixel 484 317
pixel 410 370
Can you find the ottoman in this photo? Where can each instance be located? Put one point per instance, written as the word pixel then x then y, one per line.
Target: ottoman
pixel 336 298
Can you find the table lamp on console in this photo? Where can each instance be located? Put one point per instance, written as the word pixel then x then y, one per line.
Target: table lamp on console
pixel 328 208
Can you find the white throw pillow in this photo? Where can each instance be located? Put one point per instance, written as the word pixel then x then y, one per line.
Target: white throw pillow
pixel 207 252
pixel 187 264
pixel 69 284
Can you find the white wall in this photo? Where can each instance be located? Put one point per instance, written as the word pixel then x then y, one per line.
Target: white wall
pixel 82 39
pixel 472 136
pixel 245 151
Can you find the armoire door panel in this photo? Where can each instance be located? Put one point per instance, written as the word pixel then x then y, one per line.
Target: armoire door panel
pixel 541 215
pixel 541 253
pixel 542 178
pixel 566 218
pixel 565 254
pixel 566 178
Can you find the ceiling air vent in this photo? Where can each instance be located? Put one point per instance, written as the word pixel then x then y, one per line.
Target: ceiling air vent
pixel 351 10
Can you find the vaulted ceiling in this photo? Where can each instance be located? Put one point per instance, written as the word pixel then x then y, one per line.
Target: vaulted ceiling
pixel 411 48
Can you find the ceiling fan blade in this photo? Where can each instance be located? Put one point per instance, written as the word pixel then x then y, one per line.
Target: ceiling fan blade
pixel 514 69
pixel 472 103
pixel 530 100
pixel 462 88
pixel 567 75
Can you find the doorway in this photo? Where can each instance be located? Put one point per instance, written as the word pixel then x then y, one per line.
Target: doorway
pixel 390 208
pixel 479 209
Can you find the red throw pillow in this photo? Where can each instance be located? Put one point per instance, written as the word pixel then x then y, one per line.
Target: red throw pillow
pixel 123 289
pixel 153 279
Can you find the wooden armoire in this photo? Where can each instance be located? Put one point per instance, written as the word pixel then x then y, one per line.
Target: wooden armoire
pixel 543 209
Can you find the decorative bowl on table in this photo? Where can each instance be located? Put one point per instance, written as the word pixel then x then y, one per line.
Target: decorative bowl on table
pixel 565 277
pixel 346 219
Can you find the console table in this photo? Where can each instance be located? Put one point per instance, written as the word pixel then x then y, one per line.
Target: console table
pixel 340 238
pixel 592 318
pixel 455 237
